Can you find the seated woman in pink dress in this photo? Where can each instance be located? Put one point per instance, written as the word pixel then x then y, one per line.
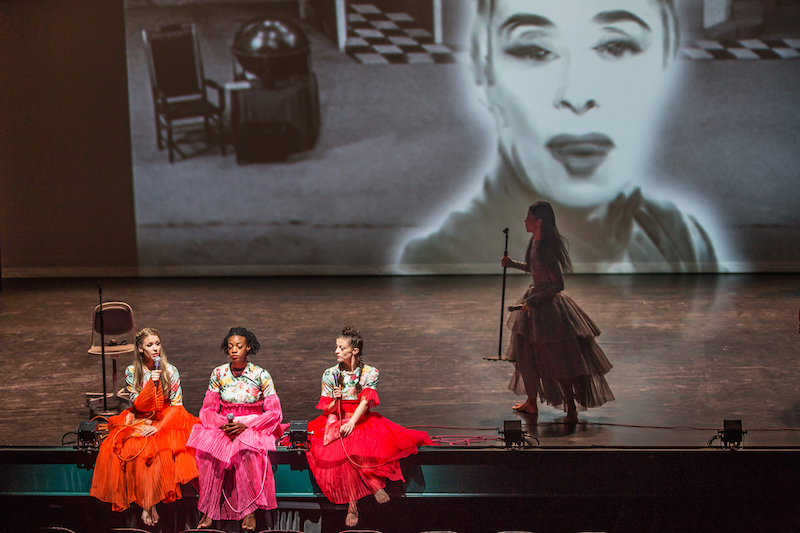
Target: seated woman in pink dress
pixel 240 422
pixel 353 451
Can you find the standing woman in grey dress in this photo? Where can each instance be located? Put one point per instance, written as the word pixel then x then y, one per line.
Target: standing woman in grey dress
pixel 553 343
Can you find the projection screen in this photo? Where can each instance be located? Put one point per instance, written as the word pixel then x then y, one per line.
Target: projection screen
pixel 407 135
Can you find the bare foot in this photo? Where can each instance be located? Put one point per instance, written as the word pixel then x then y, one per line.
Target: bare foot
pixel 204 522
pixel 249 522
pixel 150 516
pixel 381 496
pixel 351 520
pixel 527 407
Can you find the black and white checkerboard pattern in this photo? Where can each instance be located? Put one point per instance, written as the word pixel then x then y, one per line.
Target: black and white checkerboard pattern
pixel 744 49
pixel 378 38
pixel 375 37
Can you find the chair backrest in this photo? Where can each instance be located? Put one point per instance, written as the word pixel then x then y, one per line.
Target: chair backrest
pixel 280 531
pixel 126 530
pixel 360 531
pixel 53 529
pixel 173 56
pixel 118 329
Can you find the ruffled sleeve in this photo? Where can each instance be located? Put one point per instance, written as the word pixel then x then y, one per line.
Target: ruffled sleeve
pixel 369 389
pixel 271 417
pixel 130 385
pixel 175 390
pixel 209 413
pixel 326 394
pixel 150 398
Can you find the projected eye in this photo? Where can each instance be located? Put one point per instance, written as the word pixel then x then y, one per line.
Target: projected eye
pixel 618 49
pixel 531 52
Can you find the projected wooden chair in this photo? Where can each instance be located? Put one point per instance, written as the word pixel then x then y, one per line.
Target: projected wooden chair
pixel 118 338
pixel 180 90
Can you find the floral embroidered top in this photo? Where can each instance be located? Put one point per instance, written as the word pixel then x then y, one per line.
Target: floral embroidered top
pixel 367 377
pixel 252 386
pixel 175 390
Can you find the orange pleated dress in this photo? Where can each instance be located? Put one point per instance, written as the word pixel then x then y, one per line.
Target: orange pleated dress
pixel 146 470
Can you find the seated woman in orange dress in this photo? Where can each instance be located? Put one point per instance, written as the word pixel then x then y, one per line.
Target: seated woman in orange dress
pixel 144 459
pixel 353 451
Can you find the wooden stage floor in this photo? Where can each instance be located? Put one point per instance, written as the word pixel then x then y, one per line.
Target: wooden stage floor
pixel 688 351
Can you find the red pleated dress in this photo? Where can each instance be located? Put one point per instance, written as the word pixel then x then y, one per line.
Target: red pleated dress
pixel 349 468
pixel 146 470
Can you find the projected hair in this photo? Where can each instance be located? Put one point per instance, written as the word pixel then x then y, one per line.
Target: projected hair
pixel 482 41
pixel 138 362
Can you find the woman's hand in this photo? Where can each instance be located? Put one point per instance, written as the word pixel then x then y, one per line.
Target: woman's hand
pixel 337 393
pixel 347 428
pixel 233 429
pixel 506 261
pixel 155 375
pixel 145 430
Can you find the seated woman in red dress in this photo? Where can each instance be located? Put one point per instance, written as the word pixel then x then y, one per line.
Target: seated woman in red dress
pixel 353 451
pixel 144 459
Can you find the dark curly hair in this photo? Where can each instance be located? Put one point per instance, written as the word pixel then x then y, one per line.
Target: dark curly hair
pixel 252 342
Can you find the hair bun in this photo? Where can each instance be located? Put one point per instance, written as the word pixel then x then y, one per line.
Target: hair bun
pixel 349 330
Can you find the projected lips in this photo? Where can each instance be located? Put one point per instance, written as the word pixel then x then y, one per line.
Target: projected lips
pixel 272 48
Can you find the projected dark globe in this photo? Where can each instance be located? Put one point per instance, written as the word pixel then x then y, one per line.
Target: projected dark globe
pixel 272 48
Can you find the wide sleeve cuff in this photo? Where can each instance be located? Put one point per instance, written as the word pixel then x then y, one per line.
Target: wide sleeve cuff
pixel 371 395
pixel 149 399
pixel 324 402
pixel 209 413
pixel 271 417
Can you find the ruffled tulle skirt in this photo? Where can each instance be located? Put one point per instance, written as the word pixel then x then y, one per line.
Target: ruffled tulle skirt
pixel 144 470
pixel 554 350
pixel 358 465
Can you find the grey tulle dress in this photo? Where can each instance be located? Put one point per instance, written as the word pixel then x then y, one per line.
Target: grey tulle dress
pixel 553 342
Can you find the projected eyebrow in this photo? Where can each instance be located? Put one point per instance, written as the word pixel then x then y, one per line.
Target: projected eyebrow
pixel 612 17
pixel 524 20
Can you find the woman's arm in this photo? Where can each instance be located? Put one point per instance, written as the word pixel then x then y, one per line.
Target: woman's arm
pixel 347 428
pixel 507 262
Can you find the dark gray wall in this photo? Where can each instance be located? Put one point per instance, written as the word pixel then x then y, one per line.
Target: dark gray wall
pixel 66 185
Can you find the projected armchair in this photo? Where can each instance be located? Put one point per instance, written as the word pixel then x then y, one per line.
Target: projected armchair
pixel 180 90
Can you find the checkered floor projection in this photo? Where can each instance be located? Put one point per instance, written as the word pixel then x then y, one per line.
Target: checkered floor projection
pixel 378 38
pixel 374 38
pixel 744 49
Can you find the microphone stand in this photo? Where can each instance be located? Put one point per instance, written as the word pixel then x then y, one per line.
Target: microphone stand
pixel 502 305
pixel 102 348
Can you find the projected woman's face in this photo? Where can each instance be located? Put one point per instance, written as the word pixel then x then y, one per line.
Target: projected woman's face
pixel 575 87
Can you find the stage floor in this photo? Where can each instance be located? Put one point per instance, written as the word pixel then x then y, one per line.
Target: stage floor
pixel 688 351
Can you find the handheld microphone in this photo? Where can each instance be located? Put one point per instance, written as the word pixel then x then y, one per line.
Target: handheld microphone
pixel 157 361
pixel 230 418
pixel 336 379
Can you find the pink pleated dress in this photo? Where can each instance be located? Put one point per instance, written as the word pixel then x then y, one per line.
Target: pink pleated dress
pixel 236 475
pixel 349 468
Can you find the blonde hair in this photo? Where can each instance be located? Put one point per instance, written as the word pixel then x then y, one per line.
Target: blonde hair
pixel 138 363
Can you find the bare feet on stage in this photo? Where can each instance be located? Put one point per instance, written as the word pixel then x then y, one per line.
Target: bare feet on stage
pixel 249 522
pixel 528 406
pixel 381 496
pixel 352 515
pixel 204 522
pixel 150 516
